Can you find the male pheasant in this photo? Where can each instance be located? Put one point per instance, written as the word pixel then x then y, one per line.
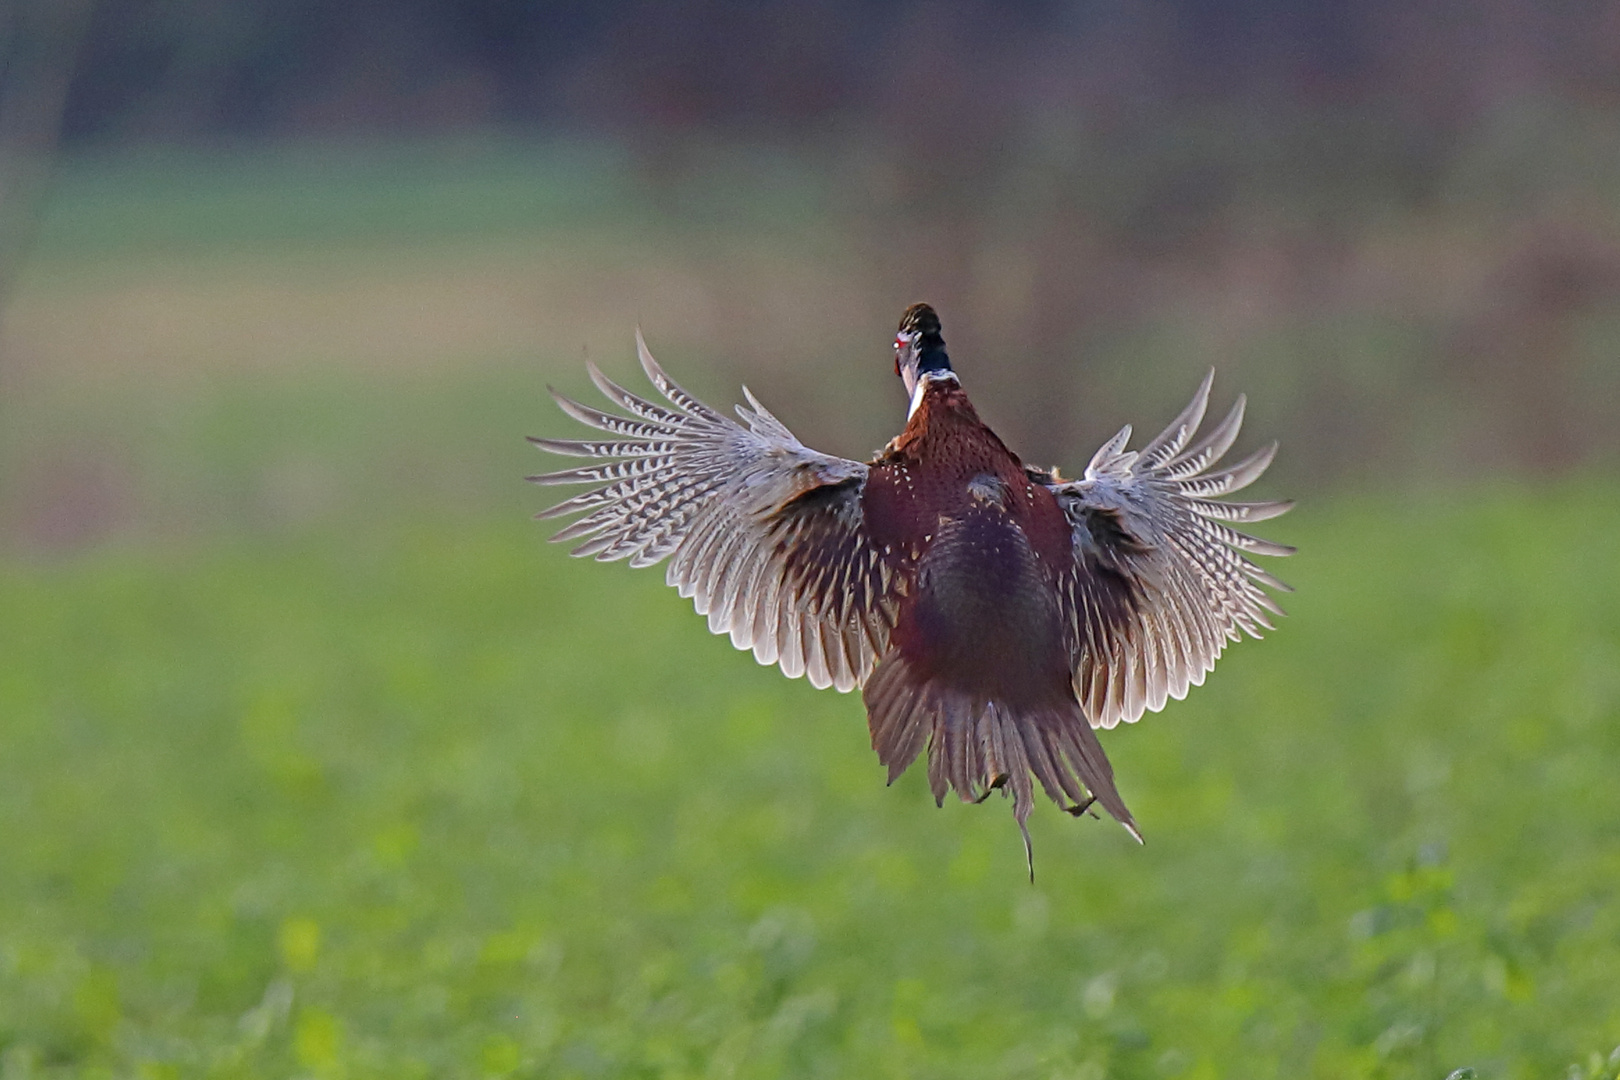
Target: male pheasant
pixel 991 612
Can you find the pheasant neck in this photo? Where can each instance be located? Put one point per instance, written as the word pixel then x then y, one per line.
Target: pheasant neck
pixel 924 381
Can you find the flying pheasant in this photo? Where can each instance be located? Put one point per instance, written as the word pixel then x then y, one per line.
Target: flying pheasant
pixel 991 612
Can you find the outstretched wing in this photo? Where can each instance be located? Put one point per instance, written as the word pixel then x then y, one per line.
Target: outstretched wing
pixel 765 535
pixel 1160 582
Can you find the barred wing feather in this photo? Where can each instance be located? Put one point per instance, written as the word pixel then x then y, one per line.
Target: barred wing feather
pixel 765 535
pixel 1160 582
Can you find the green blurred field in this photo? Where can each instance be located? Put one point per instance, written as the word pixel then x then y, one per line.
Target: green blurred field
pixel 432 800
pixel 315 760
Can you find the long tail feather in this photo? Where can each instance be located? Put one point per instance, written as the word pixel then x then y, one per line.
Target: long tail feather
pixel 976 746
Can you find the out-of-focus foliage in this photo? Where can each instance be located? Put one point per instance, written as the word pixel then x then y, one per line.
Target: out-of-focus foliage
pixel 1417 345
pixel 1405 218
pixel 38 57
pixel 422 797
pixel 958 74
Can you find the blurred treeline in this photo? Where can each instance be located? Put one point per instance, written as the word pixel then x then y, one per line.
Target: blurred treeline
pixel 1397 224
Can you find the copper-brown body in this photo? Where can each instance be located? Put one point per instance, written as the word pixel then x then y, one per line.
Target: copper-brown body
pixel 979 668
pixel 953 507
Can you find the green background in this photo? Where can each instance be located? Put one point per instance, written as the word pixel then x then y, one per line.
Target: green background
pixel 315 760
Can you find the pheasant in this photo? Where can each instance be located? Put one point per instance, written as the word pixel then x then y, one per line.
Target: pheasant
pixel 990 612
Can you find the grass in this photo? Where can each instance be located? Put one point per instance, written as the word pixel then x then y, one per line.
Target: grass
pixel 424 798
pixel 316 761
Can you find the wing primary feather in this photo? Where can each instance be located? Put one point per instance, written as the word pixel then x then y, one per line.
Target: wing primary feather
pixel 669 387
pixel 618 425
pixel 622 448
pixel 631 402
pixel 1213 446
pixel 1238 476
pixel 1230 511
pixel 1170 441
pixel 1108 451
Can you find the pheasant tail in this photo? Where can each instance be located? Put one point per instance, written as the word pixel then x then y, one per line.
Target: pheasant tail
pixel 977 746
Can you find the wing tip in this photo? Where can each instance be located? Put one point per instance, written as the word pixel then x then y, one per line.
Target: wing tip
pixel 654 371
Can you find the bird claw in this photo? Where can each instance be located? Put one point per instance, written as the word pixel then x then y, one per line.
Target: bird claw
pixel 995 785
pixel 1084 807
